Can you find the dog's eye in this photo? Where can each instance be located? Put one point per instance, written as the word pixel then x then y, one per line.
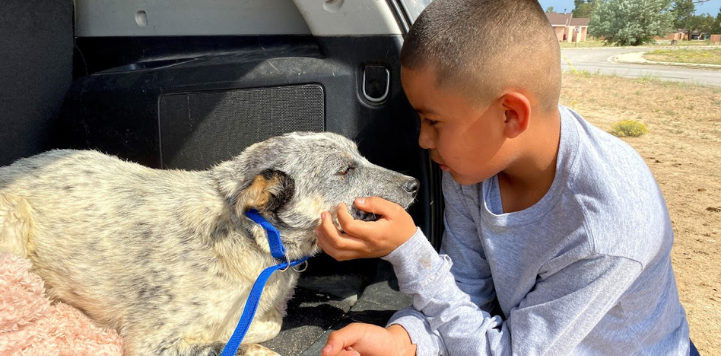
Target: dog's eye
pixel 345 170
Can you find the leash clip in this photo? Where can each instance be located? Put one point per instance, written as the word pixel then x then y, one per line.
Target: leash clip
pixel 302 269
pixel 287 263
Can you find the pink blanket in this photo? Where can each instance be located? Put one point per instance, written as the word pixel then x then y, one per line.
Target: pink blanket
pixel 30 324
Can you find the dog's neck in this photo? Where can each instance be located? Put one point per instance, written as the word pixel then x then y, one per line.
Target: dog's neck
pixel 243 250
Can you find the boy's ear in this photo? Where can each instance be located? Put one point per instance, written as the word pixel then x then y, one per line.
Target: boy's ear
pixel 517 113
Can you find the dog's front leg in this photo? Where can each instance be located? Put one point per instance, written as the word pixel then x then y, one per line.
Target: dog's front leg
pixel 244 350
pixel 199 349
pixel 255 350
pixel 264 327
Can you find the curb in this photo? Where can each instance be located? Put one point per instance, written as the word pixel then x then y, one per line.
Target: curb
pixel 637 57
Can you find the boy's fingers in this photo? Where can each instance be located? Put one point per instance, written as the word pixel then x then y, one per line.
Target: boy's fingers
pixel 352 226
pixel 338 245
pixel 326 227
pixel 378 206
pixel 349 224
pixel 334 345
pixel 349 352
pixel 342 254
pixel 387 210
pixel 344 217
pixel 339 343
pixel 328 235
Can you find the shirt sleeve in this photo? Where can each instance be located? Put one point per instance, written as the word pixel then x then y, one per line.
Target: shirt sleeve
pixel 461 241
pixel 427 341
pixel 552 319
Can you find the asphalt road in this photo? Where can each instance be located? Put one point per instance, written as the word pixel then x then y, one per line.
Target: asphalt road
pixel 598 60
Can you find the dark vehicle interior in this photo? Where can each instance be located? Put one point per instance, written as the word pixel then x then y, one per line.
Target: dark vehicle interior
pixel 187 99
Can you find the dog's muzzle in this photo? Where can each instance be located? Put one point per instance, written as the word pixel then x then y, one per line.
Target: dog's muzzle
pixel 363 215
pixel 410 187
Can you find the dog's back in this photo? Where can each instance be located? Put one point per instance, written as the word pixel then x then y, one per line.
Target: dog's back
pixel 98 229
pixel 74 191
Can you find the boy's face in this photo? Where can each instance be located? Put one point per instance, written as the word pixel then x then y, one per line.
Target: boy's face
pixel 464 139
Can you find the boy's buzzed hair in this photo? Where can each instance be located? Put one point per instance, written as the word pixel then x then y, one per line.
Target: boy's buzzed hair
pixel 482 47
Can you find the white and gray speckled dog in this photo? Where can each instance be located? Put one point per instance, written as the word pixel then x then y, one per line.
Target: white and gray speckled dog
pixel 163 256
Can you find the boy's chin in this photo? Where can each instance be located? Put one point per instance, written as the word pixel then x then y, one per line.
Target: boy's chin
pixel 463 179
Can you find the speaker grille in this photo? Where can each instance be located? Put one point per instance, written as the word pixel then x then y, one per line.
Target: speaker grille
pixel 199 129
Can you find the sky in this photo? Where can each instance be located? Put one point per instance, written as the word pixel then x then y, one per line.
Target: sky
pixel 710 7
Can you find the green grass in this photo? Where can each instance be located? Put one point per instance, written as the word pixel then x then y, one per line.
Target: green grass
pixel 686 55
pixel 590 43
pixel 659 43
pixel 628 128
pixel 692 43
pixel 647 77
pixel 588 74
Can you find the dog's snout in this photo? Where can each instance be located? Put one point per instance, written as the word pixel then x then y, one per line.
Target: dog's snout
pixel 412 186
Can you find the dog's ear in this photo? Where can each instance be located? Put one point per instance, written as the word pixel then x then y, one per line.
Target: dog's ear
pixel 268 191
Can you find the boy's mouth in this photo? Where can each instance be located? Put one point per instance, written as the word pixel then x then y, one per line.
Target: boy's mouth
pixel 442 166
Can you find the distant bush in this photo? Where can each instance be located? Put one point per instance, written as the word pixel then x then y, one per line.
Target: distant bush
pixel 630 22
pixel 628 128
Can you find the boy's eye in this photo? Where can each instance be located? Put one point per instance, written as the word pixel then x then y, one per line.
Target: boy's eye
pixel 429 121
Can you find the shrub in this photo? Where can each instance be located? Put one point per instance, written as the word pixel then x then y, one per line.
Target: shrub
pixel 630 22
pixel 628 128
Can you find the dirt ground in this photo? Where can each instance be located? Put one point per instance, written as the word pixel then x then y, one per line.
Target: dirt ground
pixel 683 150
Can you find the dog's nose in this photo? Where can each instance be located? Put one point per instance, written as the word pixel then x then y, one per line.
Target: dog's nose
pixel 412 186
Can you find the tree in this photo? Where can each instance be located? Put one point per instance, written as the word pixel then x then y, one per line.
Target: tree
pixel 701 23
pixel 716 29
pixel 550 10
pixel 630 22
pixel 683 12
pixel 583 8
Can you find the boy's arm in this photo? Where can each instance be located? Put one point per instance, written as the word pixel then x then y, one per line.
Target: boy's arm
pixel 461 241
pixel 379 238
pixel 553 319
pixel 561 310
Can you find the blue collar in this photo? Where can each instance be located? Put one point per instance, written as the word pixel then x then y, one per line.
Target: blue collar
pixel 276 245
pixel 277 250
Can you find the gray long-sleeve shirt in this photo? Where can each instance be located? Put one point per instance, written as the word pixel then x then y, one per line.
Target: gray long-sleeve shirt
pixel 585 271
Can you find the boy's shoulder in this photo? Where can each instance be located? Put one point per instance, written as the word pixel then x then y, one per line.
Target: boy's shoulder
pixel 596 163
pixel 603 192
pixel 622 205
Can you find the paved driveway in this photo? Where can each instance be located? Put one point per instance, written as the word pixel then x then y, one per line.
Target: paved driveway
pixel 600 60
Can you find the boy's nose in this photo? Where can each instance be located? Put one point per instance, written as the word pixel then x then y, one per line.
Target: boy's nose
pixel 425 139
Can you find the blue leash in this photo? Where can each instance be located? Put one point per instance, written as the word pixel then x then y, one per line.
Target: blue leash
pixel 251 305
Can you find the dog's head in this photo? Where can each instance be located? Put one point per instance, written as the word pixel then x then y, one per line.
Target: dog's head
pixel 291 179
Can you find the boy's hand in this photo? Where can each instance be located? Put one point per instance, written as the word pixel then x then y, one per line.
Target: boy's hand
pixel 369 340
pixel 364 239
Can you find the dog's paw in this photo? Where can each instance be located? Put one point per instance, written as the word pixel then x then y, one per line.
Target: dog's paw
pixel 255 350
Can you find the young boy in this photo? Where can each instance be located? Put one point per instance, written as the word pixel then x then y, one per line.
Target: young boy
pixel 557 239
